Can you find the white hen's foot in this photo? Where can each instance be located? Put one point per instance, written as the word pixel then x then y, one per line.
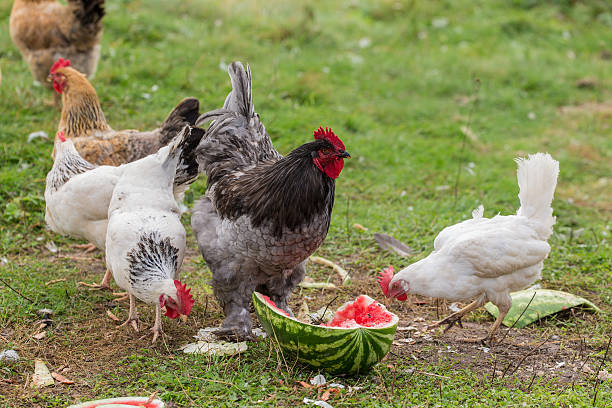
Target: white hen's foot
pixel 456 317
pixel 157 327
pixel 133 315
pixel 104 285
pixel 87 247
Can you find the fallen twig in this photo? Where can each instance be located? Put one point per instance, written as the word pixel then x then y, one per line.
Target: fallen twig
pixel 16 291
pixel 54 281
pixel 317 285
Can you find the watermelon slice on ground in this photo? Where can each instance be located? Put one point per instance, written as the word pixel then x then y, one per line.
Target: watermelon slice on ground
pixel 358 337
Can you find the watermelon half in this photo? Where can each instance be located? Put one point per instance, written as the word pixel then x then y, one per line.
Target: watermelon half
pixel 363 340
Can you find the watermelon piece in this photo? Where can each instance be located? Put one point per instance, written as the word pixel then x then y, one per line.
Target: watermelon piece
pixel 142 402
pixel 358 337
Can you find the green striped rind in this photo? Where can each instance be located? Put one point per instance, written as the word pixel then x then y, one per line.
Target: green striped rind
pixel 337 350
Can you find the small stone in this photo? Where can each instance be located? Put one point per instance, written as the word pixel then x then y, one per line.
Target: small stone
pixel 44 313
pixel 9 356
pixel 318 380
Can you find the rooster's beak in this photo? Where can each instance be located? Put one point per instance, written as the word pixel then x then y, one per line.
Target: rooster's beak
pixel 343 154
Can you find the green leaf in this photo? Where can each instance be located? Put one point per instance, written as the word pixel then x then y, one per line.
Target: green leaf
pixel 545 303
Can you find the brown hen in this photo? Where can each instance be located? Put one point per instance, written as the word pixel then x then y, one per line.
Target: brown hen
pixel 45 30
pixel 83 121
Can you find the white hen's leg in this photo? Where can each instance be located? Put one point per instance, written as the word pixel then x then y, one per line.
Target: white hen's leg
pixel 133 315
pixel 157 327
pixel 456 317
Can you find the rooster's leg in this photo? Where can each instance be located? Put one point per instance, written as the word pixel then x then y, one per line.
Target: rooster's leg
pixel 456 317
pixel 104 285
pixel 157 327
pixel 133 316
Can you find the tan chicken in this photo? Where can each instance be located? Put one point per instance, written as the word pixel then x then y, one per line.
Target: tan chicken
pixel 45 30
pixel 83 121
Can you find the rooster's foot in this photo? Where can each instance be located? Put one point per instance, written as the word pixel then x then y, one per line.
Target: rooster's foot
pixel 234 334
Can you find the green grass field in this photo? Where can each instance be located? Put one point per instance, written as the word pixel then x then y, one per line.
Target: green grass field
pixel 397 81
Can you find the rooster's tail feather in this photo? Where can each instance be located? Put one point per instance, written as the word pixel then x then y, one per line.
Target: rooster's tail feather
pixel 537 180
pixel 240 100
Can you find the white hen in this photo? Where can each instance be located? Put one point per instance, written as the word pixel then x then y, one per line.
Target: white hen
pixel 145 240
pixel 78 193
pixel 487 258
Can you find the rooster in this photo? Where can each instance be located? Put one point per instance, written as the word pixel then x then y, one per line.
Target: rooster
pixel 45 30
pixel 83 121
pixel 145 240
pixel 78 193
pixel 487 258
pixel 263 214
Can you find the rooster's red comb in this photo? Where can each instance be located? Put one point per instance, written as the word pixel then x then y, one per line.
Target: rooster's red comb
pixel 60 63
pixel 329 135
pixel 61 136
pixel 384 278
pixel 185 297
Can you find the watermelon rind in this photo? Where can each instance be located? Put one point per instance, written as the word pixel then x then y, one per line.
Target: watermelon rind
pixel 337 350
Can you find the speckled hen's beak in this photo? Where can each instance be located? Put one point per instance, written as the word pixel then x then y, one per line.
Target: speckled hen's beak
pixel 183 318
pixel 49 78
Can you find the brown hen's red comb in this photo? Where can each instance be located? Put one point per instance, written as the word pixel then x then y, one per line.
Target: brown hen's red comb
pixel 330 136
pixel 384 278
pixel 184 296
pixel 60 63
pixel 61 136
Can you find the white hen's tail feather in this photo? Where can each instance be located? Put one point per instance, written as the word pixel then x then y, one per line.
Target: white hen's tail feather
pixel 537 180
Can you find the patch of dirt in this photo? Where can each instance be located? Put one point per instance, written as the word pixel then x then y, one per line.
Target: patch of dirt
pixel 598 108
pixel 83 346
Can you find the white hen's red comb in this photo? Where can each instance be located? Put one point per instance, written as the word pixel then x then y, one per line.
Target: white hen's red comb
pixel 185 297
pixel 384 278
pixel 61 136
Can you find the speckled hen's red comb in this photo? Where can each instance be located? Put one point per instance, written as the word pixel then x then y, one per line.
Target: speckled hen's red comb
pixel 185 297
pixel 60 63
pixel 329 135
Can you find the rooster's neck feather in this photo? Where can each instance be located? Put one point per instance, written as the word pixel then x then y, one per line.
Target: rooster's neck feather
pixel 288 193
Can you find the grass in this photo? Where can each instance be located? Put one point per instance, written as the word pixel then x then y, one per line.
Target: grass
pixel 396 80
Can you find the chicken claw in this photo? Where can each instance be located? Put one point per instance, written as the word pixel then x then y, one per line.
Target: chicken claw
pixel 87 247
pixel 104 285
pixel 133 316
pixel 234 334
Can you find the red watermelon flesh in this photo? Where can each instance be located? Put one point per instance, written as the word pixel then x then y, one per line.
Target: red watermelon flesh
pixel 271 302
pixel 361 313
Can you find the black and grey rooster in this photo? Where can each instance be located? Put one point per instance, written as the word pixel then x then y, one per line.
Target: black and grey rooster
pixel 263 214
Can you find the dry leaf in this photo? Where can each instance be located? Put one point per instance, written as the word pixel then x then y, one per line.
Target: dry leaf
pixel 112 316
pixel 325 396
pixel 304 384
pixel 61 378
pixel 359 227
pixel 40 336
pixel 42 376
